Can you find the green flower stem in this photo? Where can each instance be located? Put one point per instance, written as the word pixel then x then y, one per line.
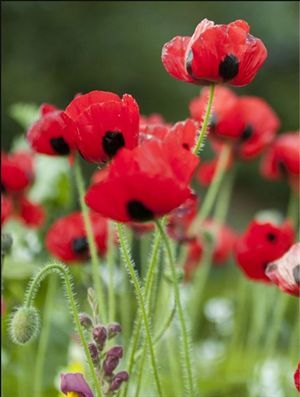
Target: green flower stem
pixel 111 271
pixel 44 338
pixel 224 197
pixel 141 302
pixel 140 371
pixel 202 133
pixel 91 241
pixel 213 189
pixel 187 366
pixel 66 277
pixel 274 327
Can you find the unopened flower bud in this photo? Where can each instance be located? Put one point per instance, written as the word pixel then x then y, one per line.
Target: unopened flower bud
pixel 94 353
pixel 24 325
pixel 85 320
pixel 113 329
pixel 110 364
pixel 116 351
pixel 100 336
pixel 118 379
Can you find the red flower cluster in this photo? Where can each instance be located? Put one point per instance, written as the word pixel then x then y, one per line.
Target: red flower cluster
pixel 248 123
pixel 66 238
pixel 261 244
pixel 144 183
pixel 215 53
pixel 17 174
pixel 282 159
pixel 224 241
pixel 285 272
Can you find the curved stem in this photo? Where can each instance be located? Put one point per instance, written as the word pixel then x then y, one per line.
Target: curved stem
pixel 91 241
pixel 141 302
pixel 111 270
pixel 66 277
pixel 213 189
pixel 202 133
pixel 187 366
pixel 44 338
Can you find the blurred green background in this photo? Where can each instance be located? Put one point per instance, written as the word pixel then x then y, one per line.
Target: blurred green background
pixel 52 50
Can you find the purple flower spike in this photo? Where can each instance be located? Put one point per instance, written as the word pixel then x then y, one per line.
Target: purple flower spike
pixel 75 383
pixel 118 379
pixel 116 351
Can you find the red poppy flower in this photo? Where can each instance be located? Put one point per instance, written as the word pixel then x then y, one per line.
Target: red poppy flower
pixel 181 218
pixel 285 272
pixel 16 171
pixel 262 243
pixel 184 133
pixel 105 123
pixel 53 133
pixel 297 377
pixel 249 123
pixel 66 239
pixel 224 241
pixel 32 214
pixel 153 126
pixel 145 183
pixel 6 208
pixel 215 53
pixel 282 159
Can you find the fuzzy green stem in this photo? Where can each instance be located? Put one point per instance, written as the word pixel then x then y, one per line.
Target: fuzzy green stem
pixel 66 277
pixel 187 366
pixel 213 189
pixel 202 133
pixel 91 240
pixel 111 272
pixel 141 302
pixel 44 338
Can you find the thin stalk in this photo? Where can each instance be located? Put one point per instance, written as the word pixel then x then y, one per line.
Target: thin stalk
pixel 202 133
pixel 141 302
pixel 44 338
pixel 111 272
pixel 140 371
pixel 213 189
pixel 224 197
pixel 187 366
pixel 91 240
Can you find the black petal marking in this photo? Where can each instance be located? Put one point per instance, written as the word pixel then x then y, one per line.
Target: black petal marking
pixel 282 168
pixel 112 142
pixel 229 67
pixel 59 145
pixel 188 63
pixel 3 189
pixel 271 237
pixel 247 133
pixel 296 274
pixel 80 245
pixel 186 146
pixel 138 211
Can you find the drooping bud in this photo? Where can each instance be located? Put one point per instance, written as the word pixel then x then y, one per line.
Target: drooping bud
pixel 100 336
pixel 113 329
pixel 118 379
pixel 24 325
pixel 85 320
pixel 94 353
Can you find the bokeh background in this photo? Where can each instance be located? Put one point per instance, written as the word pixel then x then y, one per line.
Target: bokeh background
pixel 52 50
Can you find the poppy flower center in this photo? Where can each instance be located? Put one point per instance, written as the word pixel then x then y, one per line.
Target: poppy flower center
pixel 296 274
pixel 112 142
pixel 59 145
pixel 247 133
pixel 186 146
pixel 138 211
pixel 271 237
pixel 229 67
pixel 3 189
pixel 282 168
pixel 80 245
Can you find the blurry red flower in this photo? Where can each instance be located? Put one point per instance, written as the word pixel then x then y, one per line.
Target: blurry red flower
pixel 184 133
pixel 180 219
pixel 67 240
pixel 32 214
pixel 215 53
pixel 16 171
pixel 262 243
pixel 297 377
pixel 105 123
pixel 285 271
pixel 224 241
pixel 208 168
pixel 145 183
pixel 6 208
pixel 53 133
pixel 247 122
pixel 282 159
pixel 140 228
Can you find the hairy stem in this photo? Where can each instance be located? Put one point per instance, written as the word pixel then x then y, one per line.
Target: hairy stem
pixel 111 271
